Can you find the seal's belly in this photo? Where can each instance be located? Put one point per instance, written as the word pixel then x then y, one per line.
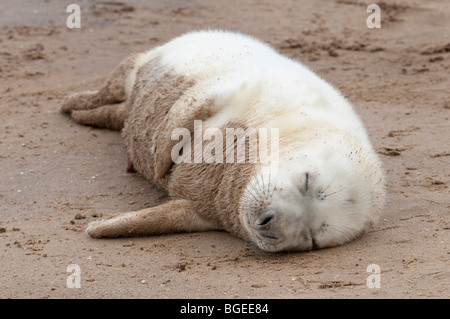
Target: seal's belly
pixel 155 91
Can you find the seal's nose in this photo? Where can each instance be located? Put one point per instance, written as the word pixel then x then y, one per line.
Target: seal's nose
pixel 265 227
pixel 264 221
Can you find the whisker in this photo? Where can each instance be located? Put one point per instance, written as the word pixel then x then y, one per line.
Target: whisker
pixel 258 193
pixel 255 190
pixel 249 182
pixel 330 182
pixel 274 185
pixel 257 181
pixel 250 193
pixel 340 190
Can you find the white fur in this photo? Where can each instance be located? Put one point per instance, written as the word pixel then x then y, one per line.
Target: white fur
pixel 226 65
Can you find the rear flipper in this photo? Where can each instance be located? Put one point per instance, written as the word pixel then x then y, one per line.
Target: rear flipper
pixel 171 217
pixel 114 89
pixel 111 116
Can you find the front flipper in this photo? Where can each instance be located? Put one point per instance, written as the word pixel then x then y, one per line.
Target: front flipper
pixel 171 217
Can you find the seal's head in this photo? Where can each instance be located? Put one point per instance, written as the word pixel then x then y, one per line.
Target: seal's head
pixel 321 195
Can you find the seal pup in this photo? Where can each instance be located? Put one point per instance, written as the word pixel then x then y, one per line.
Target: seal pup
pixel 328 187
